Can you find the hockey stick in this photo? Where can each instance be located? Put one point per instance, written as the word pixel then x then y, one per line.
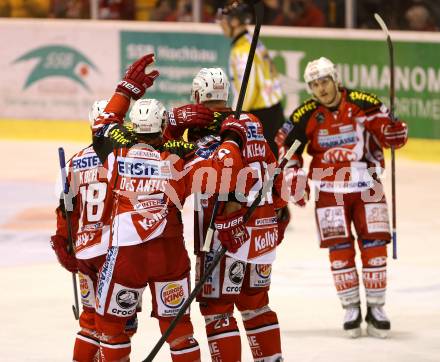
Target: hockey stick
pixel 220 253
pixel 392 107
pixel 69 208
pixel 259 9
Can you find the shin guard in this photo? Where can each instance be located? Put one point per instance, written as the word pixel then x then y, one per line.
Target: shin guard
pixel 263 334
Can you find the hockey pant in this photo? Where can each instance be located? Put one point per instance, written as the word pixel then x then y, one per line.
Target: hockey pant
pixel 164 266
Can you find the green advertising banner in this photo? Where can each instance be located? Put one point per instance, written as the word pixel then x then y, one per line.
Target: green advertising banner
pixel 364 64
pixel 178 58
pixel 362 61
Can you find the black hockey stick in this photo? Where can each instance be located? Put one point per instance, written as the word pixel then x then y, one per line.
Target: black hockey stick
pixel 69 208
pixel 220 253
pixel 259 10
pixel 392 107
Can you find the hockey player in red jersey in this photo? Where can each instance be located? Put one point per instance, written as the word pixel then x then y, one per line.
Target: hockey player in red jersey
pixel 149 187
pixel 345 131
pixel 90 218
pixel 242 278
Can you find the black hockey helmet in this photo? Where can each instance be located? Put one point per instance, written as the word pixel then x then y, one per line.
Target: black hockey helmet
pixel 237 9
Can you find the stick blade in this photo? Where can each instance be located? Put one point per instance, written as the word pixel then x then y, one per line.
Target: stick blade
pixel 381 23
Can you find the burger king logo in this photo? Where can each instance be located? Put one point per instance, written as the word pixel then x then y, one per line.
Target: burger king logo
pixel 263 270
pixel 172 295
pixel 84 287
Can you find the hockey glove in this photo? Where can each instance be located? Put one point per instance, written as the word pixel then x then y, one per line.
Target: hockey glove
pixel 296 178
pixel 236 127
pixel 395 134
pixel 189 116
pixel 232 232
pixel 59 245
pixel 135 82
pixel 283 219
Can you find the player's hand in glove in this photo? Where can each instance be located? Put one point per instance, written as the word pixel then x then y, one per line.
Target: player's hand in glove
pixel 283 219
pixel 135 81
pixel 189 116
pixel 234 129
pixel 232 232
pixel 59 245
pixel 296 178
pixel 395 134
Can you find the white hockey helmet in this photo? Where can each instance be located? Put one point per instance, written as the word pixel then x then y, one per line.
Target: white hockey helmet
pixel 147 116
pixel 96 110
pixel 210 84
pixel 320 68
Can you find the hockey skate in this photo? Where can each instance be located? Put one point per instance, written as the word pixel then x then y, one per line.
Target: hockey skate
pixel 352 321
pixel 378 323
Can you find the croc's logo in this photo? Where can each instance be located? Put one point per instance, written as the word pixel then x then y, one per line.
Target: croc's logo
pixel 58 61
pixel 172 295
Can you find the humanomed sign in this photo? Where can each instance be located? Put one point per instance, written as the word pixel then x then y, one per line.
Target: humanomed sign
pixel 363 64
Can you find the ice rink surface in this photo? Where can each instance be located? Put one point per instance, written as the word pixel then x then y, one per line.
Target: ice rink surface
pixel 37 323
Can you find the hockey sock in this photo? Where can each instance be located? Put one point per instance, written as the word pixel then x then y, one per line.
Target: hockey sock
pixel 86 347
pixel 223 338
pixel 263 334
pixel 115 348
pixel 374 272
pixel 183 347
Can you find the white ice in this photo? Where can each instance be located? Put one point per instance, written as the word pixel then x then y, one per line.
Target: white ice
pixel 37 323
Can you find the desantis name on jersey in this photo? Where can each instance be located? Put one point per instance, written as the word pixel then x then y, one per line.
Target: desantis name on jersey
pixel 133 167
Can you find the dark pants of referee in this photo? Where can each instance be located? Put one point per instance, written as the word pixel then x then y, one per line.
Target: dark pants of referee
pixel 272 119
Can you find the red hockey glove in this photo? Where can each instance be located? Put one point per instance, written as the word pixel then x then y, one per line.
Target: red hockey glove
pixel 232 232
pixel 299 187
pixel 231 124
pixel 135 82
pixel 283 219
pixel 59 245
pixel 189 116
pixel 395 134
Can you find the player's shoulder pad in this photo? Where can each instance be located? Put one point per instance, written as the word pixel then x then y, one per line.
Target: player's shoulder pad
pixel 122 135
pixel 178 147
pixel 363 100
pixel 304 111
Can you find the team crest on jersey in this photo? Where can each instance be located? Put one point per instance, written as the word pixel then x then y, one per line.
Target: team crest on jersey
pixel 339 154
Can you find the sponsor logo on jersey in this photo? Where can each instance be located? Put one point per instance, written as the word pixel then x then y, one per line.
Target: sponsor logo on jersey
pixel 346 128
pixel 323 132
pixel 118 136
pixel 206 152
pixel 287 127
pixel 343 139
pixel 339 264
pixel 236 272
pixel 127 298
pixel 172 295
pixel 361 96
pixel 266 221
pixel 377 261
pixel 254 131
pixel 58 61
pixel 267 240
pixel 134 167
pixel 82 163
pixel 84 287
pixel 301 111
pixel 263 270
pixel 105 277
pixel 153 154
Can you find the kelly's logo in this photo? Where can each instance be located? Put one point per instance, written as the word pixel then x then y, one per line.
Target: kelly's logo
pixel 58 61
